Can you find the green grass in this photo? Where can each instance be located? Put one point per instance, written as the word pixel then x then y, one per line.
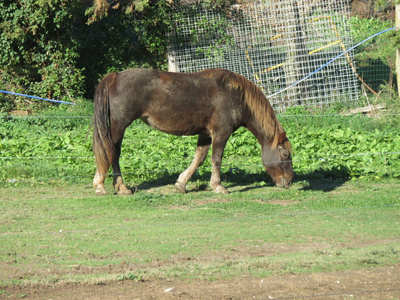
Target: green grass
pixel 161 234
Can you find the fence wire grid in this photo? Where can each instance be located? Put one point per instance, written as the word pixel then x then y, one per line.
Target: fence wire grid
pixel 274 44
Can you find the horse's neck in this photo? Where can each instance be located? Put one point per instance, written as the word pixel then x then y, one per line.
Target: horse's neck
pixel 265 139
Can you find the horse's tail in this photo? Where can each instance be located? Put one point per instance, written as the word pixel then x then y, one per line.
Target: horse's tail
pixel 103 145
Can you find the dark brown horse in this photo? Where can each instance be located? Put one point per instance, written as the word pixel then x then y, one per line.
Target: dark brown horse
pixel 211 104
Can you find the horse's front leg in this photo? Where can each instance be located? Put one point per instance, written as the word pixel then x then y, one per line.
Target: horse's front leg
pixel 203 145
pixel 217 152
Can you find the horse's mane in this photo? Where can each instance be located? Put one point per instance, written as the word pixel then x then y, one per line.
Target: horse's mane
pixel 253 98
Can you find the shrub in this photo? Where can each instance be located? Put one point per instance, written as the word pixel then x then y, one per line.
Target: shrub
pixel 60 49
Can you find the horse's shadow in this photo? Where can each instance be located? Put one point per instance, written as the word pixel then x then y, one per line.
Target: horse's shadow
pixel 241 180
pixel 318 180
pixel 325 180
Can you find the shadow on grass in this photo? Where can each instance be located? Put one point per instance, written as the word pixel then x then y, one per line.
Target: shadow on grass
pixel 325 180
pixel 318 180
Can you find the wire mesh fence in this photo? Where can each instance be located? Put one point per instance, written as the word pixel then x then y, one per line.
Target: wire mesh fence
pixel 274 43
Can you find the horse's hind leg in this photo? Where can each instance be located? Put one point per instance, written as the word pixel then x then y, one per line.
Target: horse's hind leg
pixel 118 183
pixel 102 166
pixel 203 144
pixel 98 181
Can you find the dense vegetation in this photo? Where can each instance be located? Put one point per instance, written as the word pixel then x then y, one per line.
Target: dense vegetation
pixel 60 49
pixel 329 146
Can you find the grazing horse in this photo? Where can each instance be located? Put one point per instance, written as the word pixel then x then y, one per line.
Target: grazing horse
pixel 211 104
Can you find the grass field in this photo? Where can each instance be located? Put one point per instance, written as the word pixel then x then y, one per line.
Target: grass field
pixel 65 234
pixel 342 214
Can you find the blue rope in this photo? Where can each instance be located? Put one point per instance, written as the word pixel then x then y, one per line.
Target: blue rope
pixel 34 97
pixel 323 66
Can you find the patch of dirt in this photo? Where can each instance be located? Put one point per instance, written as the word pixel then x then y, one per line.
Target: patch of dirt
pixel 370 9
pixel 19 113
pixel 374 283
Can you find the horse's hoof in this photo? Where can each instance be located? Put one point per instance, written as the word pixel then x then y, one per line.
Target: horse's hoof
pixel 221 190
pixel 125 192
pixel 101 192
pixel 180 187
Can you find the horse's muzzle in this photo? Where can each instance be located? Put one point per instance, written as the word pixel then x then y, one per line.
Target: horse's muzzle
pixel 284 183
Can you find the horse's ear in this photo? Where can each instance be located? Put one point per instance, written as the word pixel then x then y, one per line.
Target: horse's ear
pixel 282 137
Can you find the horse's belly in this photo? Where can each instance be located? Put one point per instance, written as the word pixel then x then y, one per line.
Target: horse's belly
pixel 175 125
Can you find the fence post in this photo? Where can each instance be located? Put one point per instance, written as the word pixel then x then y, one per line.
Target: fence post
pixel 398 49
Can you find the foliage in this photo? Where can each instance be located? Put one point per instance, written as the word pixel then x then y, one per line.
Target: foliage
pixel 60 49
pixel 325 147
pixel 206 33
pixel 383 47
pixel 124 39
pixel 378 53
pixel 36 57
pixel 347 149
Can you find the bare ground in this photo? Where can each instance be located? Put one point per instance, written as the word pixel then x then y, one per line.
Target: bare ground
pixel 372 283
pixel 379 282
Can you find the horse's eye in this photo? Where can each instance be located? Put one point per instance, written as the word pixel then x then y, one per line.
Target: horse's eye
pixel 283 151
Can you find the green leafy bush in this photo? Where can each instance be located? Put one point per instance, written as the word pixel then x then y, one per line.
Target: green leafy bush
pixel 376 54
pixel 345 146
pixel 36 55
pixel 325 147
pixel 60 49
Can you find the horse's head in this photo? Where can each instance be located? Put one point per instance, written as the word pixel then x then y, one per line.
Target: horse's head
pixel 278 162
